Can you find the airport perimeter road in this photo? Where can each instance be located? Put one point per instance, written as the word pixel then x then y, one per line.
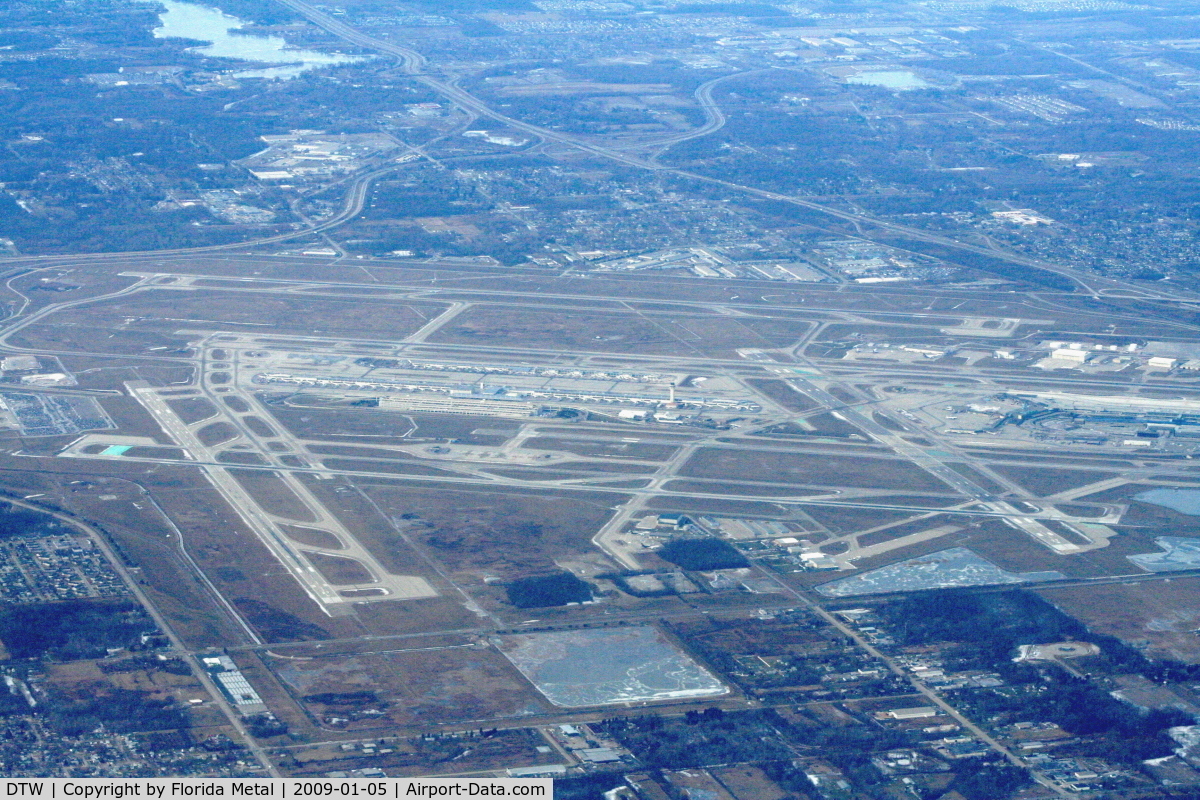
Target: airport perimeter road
pixel 917 683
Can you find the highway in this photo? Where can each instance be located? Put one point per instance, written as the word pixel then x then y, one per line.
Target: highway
pixel 231 714
pixel 414 65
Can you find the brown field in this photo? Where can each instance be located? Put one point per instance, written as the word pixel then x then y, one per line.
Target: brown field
pixel 977 477
pixel 1044 481
pixel 389 467
pixel 748 782
pixel 416 616
pixel 241 457
pixel 132 418
pixel 216 433
pixel 339 571
pixel 173 453
pixel 168 311
pixel 608 434
pixel 137 531
pixel 329 423
pixel 784 394
pixel 356 451
pixel 80 284
pixel 727 487
pixel 457 684
pixel 847 520
pixel 63 336
pixel 620 333
pixel 905 529
pixel 886 421
pixel 238 564
pixel 809 470
pixel 1057 458
pixel 1159 616
pixel 1017 551
pixel 258 426
pixel 600 448
pixel 192 409
pixel 270 492
pixel 755 636
pixel 617 468
pixel 503 533
pixel 311 536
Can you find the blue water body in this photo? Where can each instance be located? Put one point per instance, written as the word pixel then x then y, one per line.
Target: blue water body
pixel 889 79
pixel 116 450
pixel 1185 501
pixel 191 21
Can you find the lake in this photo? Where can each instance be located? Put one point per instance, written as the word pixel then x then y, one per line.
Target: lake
pixel 1185 501
pixel 190 21
pixel 890 79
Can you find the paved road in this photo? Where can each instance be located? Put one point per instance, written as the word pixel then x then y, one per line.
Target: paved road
pixel 231 714
pixel 414 64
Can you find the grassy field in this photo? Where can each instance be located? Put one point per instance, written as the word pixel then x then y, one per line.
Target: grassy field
pixel 809 470
pixel 272 494
pixel 502 533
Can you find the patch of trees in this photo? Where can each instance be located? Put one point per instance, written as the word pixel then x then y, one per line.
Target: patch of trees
pixel 702 738
pixel 12 702
pixel 16 521
pixel 118 710
pixel 587 787
pixel 548 590
pixel 149 663
pixel 343 698
pixel 26 41
pixel 275 625
pixel 989 626
pixel 264 726
pixel 164 741
pixel 995 620
pixel 1117 731
pixel 990 781
pixel 72 629
pixel 702 554
pixel 263 12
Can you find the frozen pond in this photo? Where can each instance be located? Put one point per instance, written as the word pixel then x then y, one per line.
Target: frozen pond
pixel 944 569
pixel 607 667
pixel 190 21
pixel 1185 501
pixel 889 79
pixel 1178 552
